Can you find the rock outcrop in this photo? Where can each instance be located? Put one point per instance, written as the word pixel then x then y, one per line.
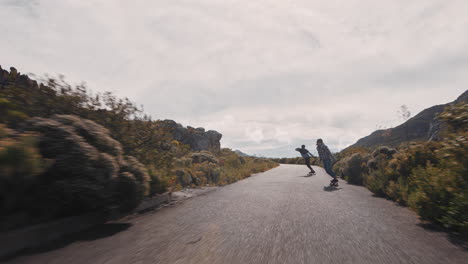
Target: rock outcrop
pixel 15 77
pixel 197 138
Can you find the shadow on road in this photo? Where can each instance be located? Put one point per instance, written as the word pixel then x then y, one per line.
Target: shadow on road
pixel 456 239
pixel 331 188
pixel 94 233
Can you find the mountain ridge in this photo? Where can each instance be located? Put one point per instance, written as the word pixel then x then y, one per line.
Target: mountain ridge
pixel 422 127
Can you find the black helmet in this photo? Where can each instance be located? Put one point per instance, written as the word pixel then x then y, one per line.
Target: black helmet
pixel 303 146
pixel 319 141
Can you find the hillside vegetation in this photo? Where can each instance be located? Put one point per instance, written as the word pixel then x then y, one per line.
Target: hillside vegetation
pixel 431 177
pixel 65 151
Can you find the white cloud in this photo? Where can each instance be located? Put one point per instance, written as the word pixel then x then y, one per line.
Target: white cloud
pixel 268 74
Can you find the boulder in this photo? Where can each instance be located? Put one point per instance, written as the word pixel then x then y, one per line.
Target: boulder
pixel 197 138
pixel 203 156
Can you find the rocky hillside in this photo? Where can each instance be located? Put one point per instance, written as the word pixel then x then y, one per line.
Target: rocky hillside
pixel 197 138
pixel 422 127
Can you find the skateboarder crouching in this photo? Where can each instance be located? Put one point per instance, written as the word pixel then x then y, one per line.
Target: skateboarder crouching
pixel 306 155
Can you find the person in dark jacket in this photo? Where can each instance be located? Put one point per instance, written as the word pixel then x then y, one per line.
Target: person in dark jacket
pixel 306 155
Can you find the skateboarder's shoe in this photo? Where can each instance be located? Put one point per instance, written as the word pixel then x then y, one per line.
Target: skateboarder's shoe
pixel 334 182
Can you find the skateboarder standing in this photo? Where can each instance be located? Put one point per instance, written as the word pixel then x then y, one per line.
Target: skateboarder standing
pixel 327 158
pixel 306 155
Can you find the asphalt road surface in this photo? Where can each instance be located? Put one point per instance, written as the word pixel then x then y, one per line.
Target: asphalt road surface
pixel 275 217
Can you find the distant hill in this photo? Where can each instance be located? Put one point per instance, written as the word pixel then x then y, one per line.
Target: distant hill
pixel 422 127
pixel 240 153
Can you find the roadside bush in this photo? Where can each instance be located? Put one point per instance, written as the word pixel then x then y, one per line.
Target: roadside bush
pixel 158 184
pixel 74 168
pixel 9 113
pixel 137 135
pixel 83 151
pixel 350 151
pixel 354 168
pixel 379 173
pixel 441 197
pixel 127 192
pixel 338 167
pixel 344 166
pixel 441 189
pixel 20 165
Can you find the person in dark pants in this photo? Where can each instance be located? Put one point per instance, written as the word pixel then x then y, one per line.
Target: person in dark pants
pixel 327 159
pixel 306 155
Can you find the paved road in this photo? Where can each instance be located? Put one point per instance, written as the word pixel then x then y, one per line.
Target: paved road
pixel 274 217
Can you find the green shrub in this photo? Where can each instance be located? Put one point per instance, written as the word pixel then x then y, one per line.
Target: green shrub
pixel 158 184
pixel 354 168
pixel 127 192
pixel 441 197
pixel 76 168
pixel 376 181
pixel 350 151
pixel 441 188
pixel 20 165
pixel 9 113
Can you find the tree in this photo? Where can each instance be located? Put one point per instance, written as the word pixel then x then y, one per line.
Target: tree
pixel 404 114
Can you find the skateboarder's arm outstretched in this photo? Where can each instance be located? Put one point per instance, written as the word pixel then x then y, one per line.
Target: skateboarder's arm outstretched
pixel 306 155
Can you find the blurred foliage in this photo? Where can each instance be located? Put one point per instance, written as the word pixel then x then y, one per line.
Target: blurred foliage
pixel 20 165
pixel 92 152
pixel 141 137
pixel 430 177
pixel 71 166
pixel 352 168
pixel 350 151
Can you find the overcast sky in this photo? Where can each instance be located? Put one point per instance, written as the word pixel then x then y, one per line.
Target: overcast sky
pixel 268 74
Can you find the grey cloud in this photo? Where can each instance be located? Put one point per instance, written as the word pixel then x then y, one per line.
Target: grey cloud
pixel 269 76
pixel 442 69
pixel 20 3
pixel 27 7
